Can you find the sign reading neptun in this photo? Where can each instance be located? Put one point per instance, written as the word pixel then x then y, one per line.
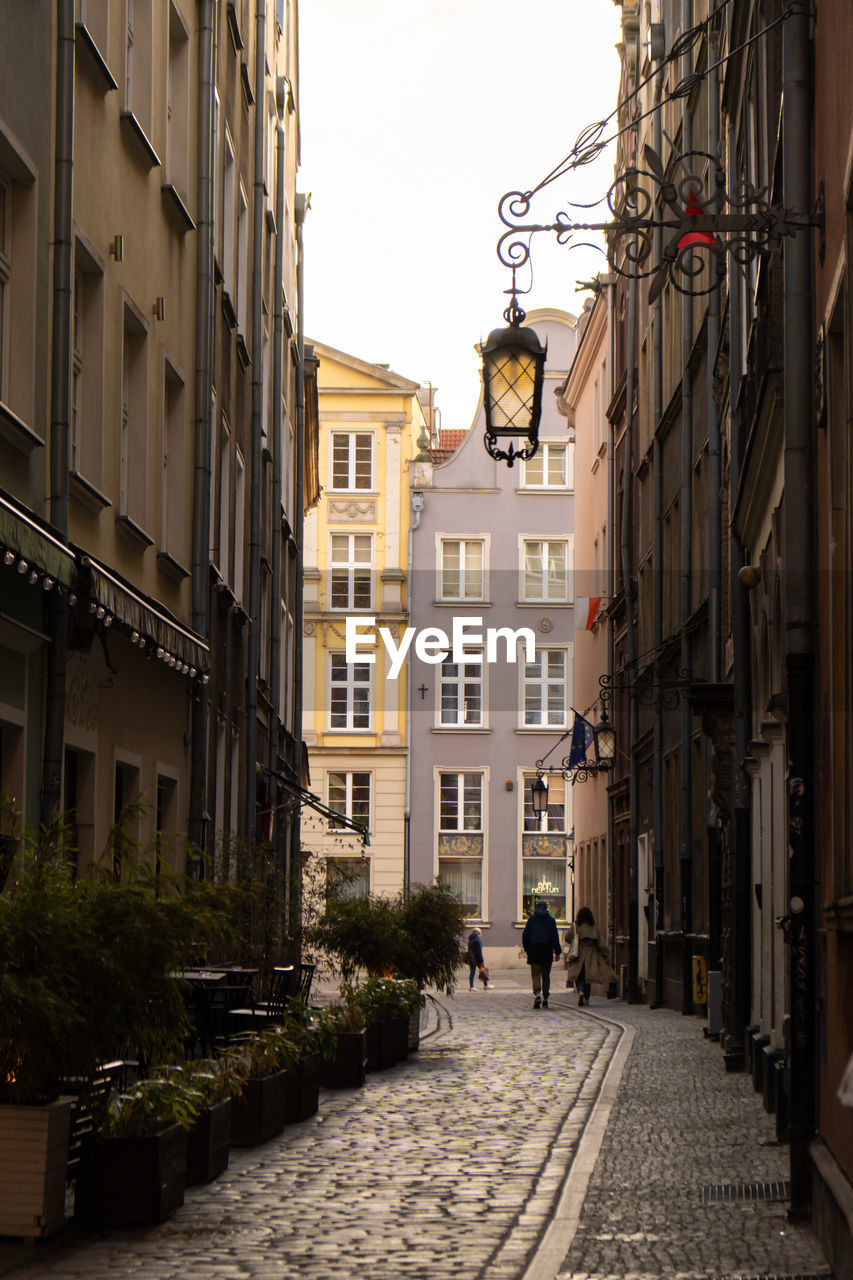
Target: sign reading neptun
pixel 433 645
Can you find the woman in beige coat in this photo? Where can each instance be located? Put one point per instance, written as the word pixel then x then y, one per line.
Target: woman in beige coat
pixel 588 958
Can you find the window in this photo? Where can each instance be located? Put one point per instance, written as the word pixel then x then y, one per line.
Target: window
pixel 18 276
pixel 352 460
pixel 349 693
pixel 218 178
pixel 461 837
pixel 349 794
pixel 462 571
pixel 137 83
pixel 549 468
pixel 94 16
pixel 125 829
pixel 225 502
pixel 229 209
pixel 351 559
pixel 347 877
pixel 242 306
pixel 545 573
pixel 134 421
pixel 239 522
pixel 5 274
pixel 178 105
pixel 543 850
pixel 174 495
pixel 87 368
pixel 461 694
pixel 544 695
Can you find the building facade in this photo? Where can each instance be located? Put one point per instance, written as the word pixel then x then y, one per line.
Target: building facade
pixel 495 545
pixel 357 567
pixel 156 431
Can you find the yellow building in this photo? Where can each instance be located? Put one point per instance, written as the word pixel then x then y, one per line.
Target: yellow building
pixel 356 568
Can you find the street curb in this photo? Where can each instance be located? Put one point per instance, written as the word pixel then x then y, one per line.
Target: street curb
pixel 557 1240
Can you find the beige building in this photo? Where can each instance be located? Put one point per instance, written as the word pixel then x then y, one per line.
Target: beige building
pixel 356 566
pixel 583 400
pixel 154 389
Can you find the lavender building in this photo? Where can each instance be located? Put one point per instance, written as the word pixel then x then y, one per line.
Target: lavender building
pixel 493 545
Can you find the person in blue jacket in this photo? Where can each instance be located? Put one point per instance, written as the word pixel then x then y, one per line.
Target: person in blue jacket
pixel 476 959
pixel 541 943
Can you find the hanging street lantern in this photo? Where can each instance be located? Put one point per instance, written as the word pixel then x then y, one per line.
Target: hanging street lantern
pixel 513 374
pixel 605 740
pixel 539 796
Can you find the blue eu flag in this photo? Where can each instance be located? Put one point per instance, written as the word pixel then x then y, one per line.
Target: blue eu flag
pixel 583 736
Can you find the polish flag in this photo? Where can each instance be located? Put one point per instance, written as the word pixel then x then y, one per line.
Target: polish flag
pixel 587 609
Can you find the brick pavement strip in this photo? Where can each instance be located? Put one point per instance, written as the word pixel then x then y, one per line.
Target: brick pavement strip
pixel 454 1164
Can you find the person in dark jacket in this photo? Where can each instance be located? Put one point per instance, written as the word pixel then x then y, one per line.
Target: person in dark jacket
pixel 541 944
pixel 476 959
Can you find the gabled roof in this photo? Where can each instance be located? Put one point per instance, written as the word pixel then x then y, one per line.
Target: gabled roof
pixel 377 374
pixel 449 440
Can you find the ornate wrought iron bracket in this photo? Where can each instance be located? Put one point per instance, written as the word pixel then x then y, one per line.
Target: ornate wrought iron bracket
pixel 667 692
pixel 700 223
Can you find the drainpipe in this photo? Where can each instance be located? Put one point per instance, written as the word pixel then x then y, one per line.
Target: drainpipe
pixel 739 983
pixel 250 820
pixel 275 427
pixel 715 549
pixel 611 557
pixel 657 605
pixel 627 532
pixel 203 427
pixel 798 560
pixel 417 506
pixel 60 395
pixel 303 203
pixel 686 523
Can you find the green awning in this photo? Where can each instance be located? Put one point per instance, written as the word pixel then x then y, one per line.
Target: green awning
pixel 30 541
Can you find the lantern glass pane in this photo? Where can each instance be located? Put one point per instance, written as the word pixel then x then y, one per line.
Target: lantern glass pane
pixel 511 387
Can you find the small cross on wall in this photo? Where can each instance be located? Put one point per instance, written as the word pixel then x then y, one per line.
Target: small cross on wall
pixel 423 690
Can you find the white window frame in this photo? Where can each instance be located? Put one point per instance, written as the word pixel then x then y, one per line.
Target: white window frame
pixel 544 681
pixel 525 777
pixel 351 486
pixel 484 774
pixel 543 453
pixel 349 787
pixel 352 568
pixel 545 597
pixel 458 682
pixel 442 540
pixel 337 660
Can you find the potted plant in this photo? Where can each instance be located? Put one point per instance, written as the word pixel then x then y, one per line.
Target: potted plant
pixel 258 1112
pixel 346 1069
pixel 216 1081
pixel 313 1038
pixel 135 1171
pixel 387 1004
pixel 85 969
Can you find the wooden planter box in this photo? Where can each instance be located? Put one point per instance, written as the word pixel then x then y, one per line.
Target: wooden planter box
pixel 302 1097
pixel 385 1042
pixel 401 1037
pixel 33 1164
pixel 133 1181
pixel 348 1067
pixel 208 1144
pixel 258 1113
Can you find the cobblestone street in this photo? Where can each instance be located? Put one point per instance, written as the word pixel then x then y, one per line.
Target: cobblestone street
pixel 455 1163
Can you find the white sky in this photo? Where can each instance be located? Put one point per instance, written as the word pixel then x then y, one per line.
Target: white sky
pixel 416 117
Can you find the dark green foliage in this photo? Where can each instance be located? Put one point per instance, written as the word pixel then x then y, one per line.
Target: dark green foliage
pixel 86 965
pixel 415 935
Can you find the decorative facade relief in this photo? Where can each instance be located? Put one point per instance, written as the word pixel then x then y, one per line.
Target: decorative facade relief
pixel 360 512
